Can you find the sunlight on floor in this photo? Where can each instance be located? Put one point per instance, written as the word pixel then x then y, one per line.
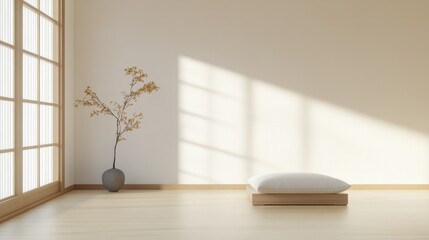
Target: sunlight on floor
pixel 219 215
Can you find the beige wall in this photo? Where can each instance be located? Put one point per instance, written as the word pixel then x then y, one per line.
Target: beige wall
pixel 336 87
pixel 69 93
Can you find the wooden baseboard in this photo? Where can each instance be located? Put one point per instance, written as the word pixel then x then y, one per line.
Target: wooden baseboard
pixel 389 187
pixel 166 187
pixel 68 189
pixel 241 187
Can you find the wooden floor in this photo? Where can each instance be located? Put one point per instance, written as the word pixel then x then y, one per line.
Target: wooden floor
pixel 220 215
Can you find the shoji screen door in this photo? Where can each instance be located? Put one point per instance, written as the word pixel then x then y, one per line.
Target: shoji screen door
pixel 30 101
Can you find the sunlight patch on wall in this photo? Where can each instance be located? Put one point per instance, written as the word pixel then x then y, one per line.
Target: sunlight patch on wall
pixel 277 125
pixel 212 135
pixel 364 150
pixel 232 127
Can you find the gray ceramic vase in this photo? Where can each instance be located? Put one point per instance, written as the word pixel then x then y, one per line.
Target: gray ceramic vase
pixel 113 179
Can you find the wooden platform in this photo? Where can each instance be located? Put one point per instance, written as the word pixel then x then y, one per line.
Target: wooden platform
pixel 259 199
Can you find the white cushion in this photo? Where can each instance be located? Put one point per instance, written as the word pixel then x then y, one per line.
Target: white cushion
pixel 297 183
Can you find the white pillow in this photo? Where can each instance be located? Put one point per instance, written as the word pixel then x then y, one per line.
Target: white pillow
pixel 297 183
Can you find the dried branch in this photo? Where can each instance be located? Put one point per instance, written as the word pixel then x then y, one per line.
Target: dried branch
pixel 124 122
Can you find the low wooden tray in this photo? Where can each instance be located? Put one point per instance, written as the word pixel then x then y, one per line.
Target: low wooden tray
pixel 259 199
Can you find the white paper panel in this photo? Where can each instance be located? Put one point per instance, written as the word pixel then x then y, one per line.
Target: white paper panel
pixel 30 124
pixel 30 34
pixel 6 20
pixel 47 6
pixel 6 125
pixel 46 38
pixel 7 175
pixel 46 82
pixel 46 165
pixel 30 73
pixel 32 2
pixel 30 166
pixel 46 124
pixel 6 71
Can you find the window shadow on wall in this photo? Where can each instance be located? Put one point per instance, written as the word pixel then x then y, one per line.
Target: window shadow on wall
pixel 232 126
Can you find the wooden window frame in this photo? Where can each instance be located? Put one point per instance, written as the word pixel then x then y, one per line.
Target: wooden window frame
pixel 20 201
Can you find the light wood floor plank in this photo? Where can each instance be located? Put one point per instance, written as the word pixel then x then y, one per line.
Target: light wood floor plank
pixel 219 215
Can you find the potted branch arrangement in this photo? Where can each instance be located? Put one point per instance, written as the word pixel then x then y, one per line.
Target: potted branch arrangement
pixel 113 179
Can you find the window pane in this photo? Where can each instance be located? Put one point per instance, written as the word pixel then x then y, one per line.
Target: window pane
pixel 30 167
pixel 32 2
pixel 46 38
pixel 6 20
pixel 50 7
pixel 6 71
pixel 46 165
pixel 47 6
pixel 46 124
pixel 30 73
pixel 6 125
pixel 7 175
pixel 30 34
pixel 48 82
pixel 30 124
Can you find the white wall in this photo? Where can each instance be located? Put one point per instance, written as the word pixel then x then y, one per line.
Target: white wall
pixel 69 93
pixel 336 87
